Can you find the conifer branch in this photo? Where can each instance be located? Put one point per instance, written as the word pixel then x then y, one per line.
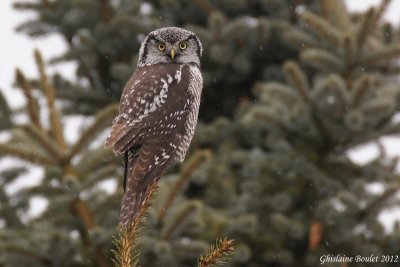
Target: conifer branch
pixel 194 162
pixel 92 159
pixel 48 91
pixel 217 254
pixel 361 87
pixel 26 253
pixel 379 110
pixel 9 213
pixel 44 140
pixel 178 220
pixel 126 254
pixel 394 162
pixel 376 203
pixel 348 51
pixel 81 208
pixel 322 28
pixel 297 79
pixel 263 31
pixel 382 9
pixel 20 136
pixel 129 21
pixel 386 53
pixel 336 12
pixel 267 92
pixel 393 70
pixel 77 94
pixel 45 190
pixel 26 5
pixel 106 12
pixel 387 130
pixel 25 154
pixel 101 118
pixel 366 26
pixel 95 176
pixel 387 33
pixel 56 150
pixel 5 112
pixel 269 118
pixel 348 54
pixel 295 37
pixel 33 110
pixel 322 59
pixel 334 83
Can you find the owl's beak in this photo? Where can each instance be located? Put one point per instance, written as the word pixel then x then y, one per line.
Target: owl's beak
pixel 172 54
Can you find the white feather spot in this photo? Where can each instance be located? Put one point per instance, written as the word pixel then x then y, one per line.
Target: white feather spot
pixel 169 78
pixel 178 75
pixel 165 84
pixel 162 92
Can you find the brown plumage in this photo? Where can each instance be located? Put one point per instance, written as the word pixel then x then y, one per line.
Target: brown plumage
pixel 158 113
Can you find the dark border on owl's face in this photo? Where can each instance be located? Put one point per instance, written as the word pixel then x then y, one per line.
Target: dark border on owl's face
pixel 145 50
pixel 199 49
pixel 153 37
pixel 171 36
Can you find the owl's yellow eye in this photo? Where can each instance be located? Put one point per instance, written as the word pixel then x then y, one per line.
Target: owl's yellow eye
pixel 183 45
pixel 161 46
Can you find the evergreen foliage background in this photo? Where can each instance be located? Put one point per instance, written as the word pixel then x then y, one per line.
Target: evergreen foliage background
pixel 289 88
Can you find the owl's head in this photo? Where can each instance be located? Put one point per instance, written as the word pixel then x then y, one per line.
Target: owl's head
pixel 170 45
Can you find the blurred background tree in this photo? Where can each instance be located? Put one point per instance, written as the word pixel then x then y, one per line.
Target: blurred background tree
pixel 290 87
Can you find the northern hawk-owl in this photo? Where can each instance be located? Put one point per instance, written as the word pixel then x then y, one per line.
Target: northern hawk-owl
pixel 158 112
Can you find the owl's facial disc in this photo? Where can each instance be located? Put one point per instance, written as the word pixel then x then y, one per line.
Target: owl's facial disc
pixel 170 45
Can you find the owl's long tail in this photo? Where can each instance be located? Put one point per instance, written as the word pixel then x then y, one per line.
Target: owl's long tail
pixel 143 166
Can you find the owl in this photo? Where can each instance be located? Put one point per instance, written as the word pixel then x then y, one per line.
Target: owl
pixel 158 112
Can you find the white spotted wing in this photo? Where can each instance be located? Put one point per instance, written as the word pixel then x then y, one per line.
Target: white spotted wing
pixel 151 106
